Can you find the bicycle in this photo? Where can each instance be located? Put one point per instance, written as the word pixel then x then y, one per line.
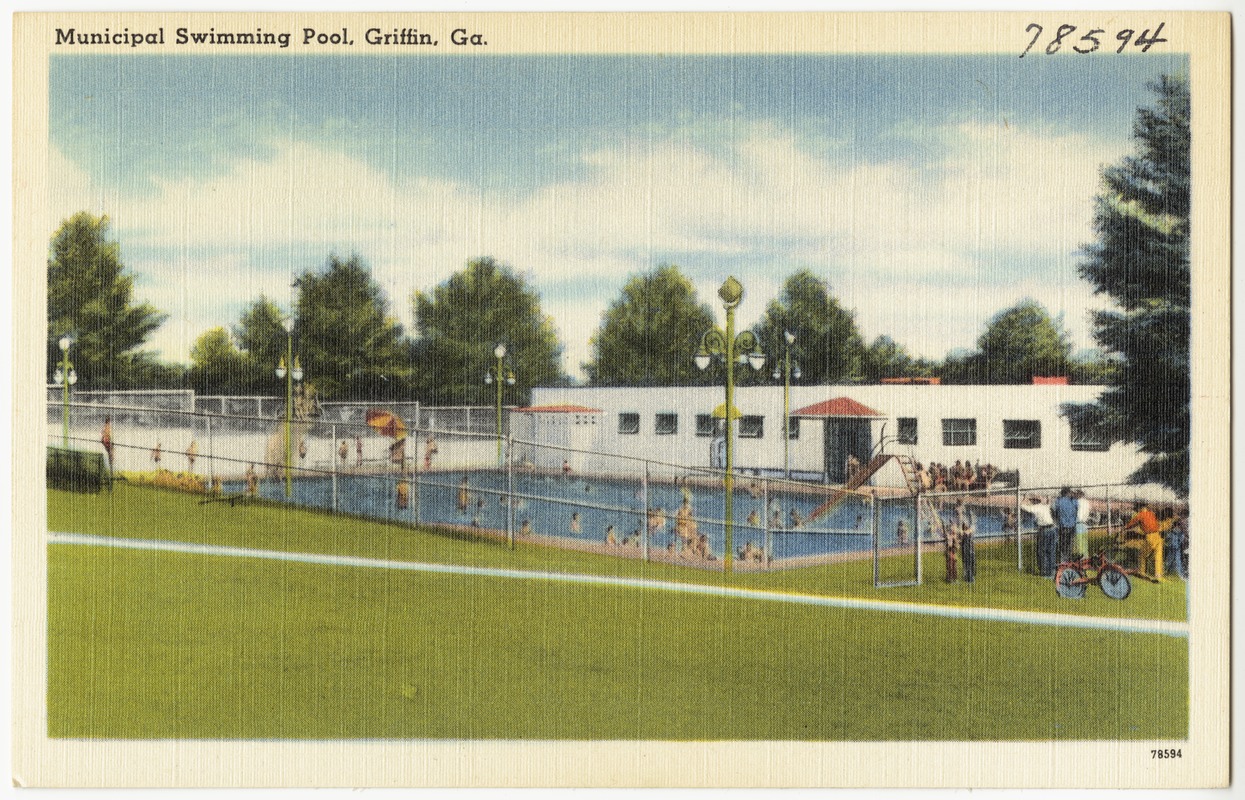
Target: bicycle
pixel 1072 577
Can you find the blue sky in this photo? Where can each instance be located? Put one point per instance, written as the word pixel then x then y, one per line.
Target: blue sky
pixel 929 191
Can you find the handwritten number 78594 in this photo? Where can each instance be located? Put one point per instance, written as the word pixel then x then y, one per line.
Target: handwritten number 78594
pixel 1089 41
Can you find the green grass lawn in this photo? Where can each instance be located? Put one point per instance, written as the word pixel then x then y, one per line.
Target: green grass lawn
pixel 149 644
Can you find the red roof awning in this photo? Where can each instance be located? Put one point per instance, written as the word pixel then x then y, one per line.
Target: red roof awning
pixel 558 409
pixel 838 407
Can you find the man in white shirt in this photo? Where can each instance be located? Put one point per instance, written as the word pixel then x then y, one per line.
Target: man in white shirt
pixel 1046 540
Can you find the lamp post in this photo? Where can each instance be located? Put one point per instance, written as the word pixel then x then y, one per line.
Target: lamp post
pixel 786 373
pixel 500 375
pixel 65 377
pixel 729 347
pixel 294 373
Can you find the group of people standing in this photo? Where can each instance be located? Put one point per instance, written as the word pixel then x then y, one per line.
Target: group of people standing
pixel 1063 534
pixel 1062 528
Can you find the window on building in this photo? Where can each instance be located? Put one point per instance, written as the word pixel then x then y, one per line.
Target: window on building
pixel 907 430
pixel 667 424
pixel 793 428
pixel 1087 437
pixel 1022 434
pixel 628 422
pixel 959 432
pixel 705 425
pixel 751 426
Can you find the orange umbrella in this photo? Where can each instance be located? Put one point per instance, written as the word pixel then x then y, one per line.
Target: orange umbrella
pixel 386 422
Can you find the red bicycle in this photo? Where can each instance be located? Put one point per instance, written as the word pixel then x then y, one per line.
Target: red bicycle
pixel 1072 577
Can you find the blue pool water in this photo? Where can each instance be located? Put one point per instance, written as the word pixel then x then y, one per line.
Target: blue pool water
pixel 585 509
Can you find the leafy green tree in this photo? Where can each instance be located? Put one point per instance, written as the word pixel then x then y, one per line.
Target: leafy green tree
pixel 261 341
pixel 650 333
pixel 216 364
pixel 459 323
pixel 1018 343
pixel 1141 261
pixel 349 346
pixel 90 297
pixel 827 346
pixel 885 358
pixel 240 361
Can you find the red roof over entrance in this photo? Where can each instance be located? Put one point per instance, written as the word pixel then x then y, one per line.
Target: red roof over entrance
pixel 562 409
pixel 837 407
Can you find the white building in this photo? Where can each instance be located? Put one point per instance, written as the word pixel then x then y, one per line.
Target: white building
pixel 1015 428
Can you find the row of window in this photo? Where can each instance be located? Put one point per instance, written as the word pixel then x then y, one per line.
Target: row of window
pixel 751 426
pixel 1018 434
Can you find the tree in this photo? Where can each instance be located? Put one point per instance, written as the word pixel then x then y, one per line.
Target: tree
pixel 216 365
pixel 1018 343
pixel 650 333
pixel 240 361
pixel 349 346
pixel 885 358
pixel 1140 260
pixel 90 297
pixel 827 346
pixel 460 322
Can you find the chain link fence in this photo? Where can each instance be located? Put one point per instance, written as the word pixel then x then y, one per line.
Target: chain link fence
pixel 461 475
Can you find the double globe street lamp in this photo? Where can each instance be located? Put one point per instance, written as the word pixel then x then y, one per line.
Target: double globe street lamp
pixel 65 377
pixel 730 348
pixel 290 376
pixel 501 375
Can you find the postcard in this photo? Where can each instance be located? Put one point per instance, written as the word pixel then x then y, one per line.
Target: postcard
pixel 622 400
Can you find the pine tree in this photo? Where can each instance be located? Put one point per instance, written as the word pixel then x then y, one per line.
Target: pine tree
pixel 1141 261
pixel 90 298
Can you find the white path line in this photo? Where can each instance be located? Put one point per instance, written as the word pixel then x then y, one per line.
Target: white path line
pixel 1155 626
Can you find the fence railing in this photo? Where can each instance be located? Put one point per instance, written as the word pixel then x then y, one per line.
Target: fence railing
pixel 459 478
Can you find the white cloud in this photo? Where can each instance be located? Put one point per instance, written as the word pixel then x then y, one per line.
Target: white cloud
pixel 901 245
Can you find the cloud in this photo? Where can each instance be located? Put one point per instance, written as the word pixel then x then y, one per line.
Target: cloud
pixel 925 253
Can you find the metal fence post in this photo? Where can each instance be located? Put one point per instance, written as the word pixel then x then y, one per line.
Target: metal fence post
pixel 211 453
pixel 877 542
pixel 509 487
pixel 644 512
pixel 917 536
pixel 1020 556
pixel 766 533
pixel 333 460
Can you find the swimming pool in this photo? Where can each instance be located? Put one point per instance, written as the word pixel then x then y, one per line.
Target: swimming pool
pixel 591 509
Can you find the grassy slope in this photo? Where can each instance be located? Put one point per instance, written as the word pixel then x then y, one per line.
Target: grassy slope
pixel 155 645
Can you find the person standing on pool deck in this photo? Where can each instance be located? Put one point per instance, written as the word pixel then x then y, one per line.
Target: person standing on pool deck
pixel 1064 512
pixel 105 439
pixel 1045 542
pixel 358 451
pixel 252 481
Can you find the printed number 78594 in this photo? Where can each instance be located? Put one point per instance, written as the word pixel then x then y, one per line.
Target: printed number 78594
pixel 1088 42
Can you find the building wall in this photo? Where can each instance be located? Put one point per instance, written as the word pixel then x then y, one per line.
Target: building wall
pixel 1053 463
